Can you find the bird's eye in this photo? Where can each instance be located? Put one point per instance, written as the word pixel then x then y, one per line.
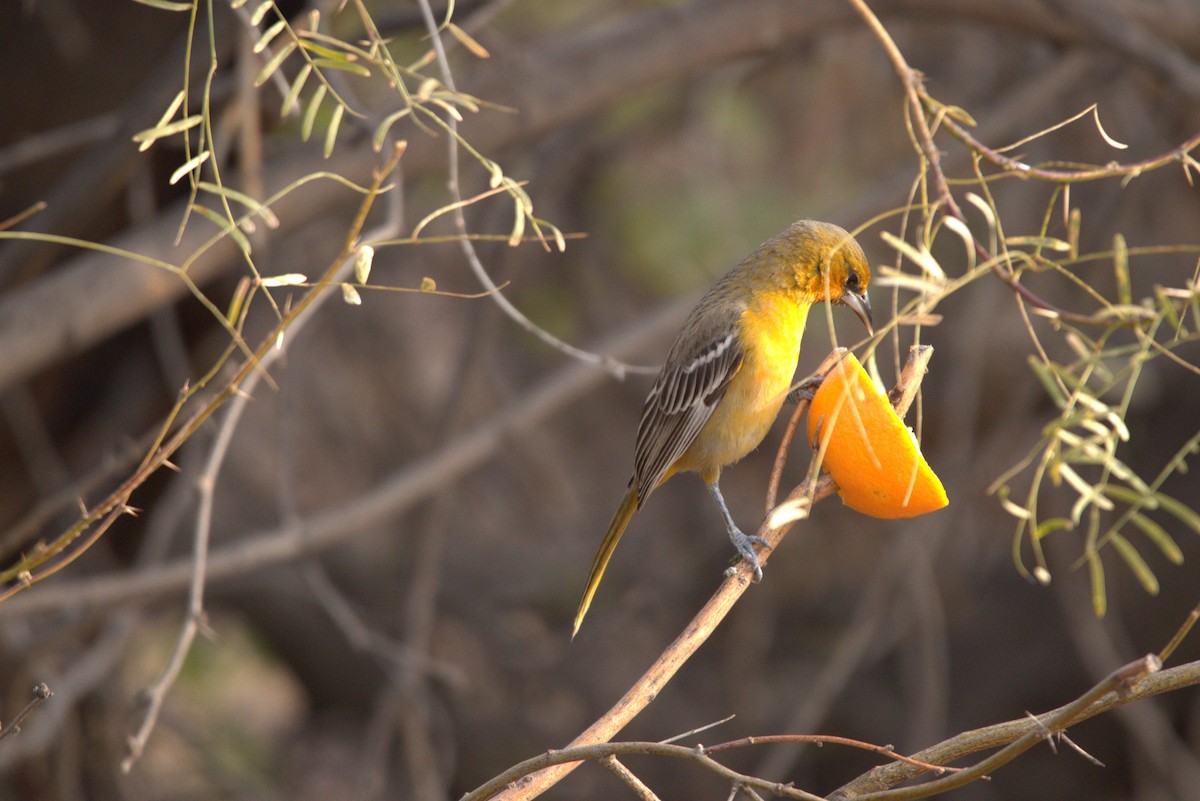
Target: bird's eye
pixel 852 280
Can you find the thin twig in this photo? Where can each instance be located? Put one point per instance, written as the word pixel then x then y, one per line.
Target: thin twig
pixel 821 739
pixel 521 779
pixel 41 694
pixel 639 788
pixel 1184 629
pixel 616 368
pixel 918 99
pixel 157 692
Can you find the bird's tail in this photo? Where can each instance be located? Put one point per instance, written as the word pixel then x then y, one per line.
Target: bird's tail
pixel 616 528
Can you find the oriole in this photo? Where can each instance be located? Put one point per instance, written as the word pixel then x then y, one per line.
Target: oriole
pixel 731 368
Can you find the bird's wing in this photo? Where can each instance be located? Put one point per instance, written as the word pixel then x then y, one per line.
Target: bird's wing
pixel 682 399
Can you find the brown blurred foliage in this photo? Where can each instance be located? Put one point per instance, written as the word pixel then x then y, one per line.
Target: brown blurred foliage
pixel 424 649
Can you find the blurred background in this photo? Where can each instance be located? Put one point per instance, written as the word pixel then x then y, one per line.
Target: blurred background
pixel 453 475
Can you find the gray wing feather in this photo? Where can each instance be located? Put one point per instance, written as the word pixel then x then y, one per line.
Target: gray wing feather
pixel 679 404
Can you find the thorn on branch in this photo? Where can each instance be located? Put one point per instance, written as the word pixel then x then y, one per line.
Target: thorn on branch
pixel 1062 735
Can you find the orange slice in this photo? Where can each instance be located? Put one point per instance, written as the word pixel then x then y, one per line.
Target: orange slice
pixel 872 455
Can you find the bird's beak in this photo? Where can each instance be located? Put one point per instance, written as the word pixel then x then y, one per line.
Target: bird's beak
pixel 861 306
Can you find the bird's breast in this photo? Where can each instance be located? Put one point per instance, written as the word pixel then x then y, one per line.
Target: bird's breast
pixel 771 331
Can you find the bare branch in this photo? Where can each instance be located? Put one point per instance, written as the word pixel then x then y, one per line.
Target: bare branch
pixel 41 694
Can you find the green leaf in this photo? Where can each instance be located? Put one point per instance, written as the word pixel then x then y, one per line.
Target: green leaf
pixel 261 12
pixel 382 130
pixel 321 51
pixel 1121 268
pixel 310 112
pixel 151 135
pixel 1046 374
pixel 264 41
pixel 167 5
pixel 1159 536
pixel 189 165
pixel 227 227
pixel 918 256
pixel 1184 513
pixel 1047 527
pixel 1136 564
pixel 343 64
pixel 1130 497
pixel 331 132
pixel 518 229
pixel 1096 570
pixel 273 64
pixel 252 205
pixel 1040 242
pixel 294 91
pixel 468 41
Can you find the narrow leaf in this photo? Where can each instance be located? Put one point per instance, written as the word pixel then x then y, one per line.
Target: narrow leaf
pixel 1121 268
pixel 1136 563
pixel 226 226
pixel 1112 142
pixel 167 5
pixel 382 130
pixel 1096 571
pixel 1187 515
pixel 252 205
pixel 189 165
pixel 1046 375
pixel 467 41
pixel 264 41
pixel 297 86
pixel 1159 536
pixel 1074 221
pixel 343 64
pixel 261 12
pixel 331 132
pixel 1130 497
pixel 286 279
pixel 518 229
pixel 269 68
pixel 1047 527
pixel 1047 242
pixel 310 112
pixel 918 256
pixel 151 135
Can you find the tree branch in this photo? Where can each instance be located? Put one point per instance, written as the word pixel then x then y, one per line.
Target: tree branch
pixel 737 580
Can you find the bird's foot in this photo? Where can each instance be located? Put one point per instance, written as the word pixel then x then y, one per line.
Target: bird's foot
pixel 806 391
pixel 745 547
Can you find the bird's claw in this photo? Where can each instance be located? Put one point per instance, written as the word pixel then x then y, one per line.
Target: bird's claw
pixel 806 391
pixel 745 547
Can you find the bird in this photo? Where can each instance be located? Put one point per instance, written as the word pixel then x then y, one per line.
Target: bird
pixel 730 370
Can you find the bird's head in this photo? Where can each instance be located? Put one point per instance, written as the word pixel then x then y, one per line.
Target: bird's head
pixel 835 268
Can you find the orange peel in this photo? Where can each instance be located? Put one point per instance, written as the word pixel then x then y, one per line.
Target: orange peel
pixel 869 451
